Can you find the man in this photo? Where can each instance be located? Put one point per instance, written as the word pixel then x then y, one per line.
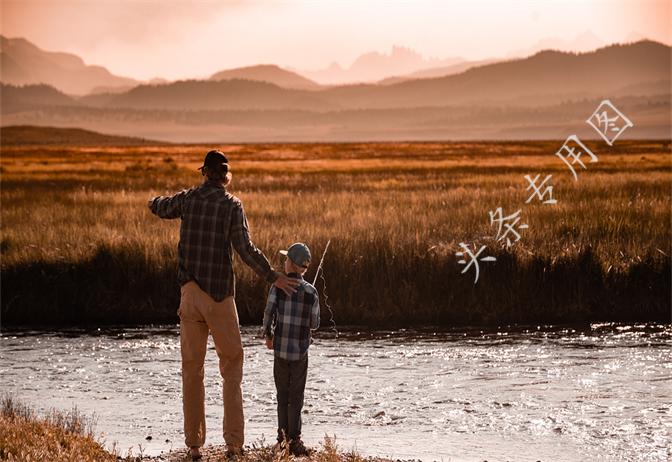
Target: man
pixel 213 221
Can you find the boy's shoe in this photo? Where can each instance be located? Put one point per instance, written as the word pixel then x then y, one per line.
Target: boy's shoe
pixel 297 448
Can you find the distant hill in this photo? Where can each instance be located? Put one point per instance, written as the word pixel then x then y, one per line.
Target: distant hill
pixel 269 73
pixel 111 90
pixel 22 63
pixel 211 95
pixel 30 135
pixel 437 72
pixel 30 97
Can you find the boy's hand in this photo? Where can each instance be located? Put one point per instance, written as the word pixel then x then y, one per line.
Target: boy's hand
pixel 269 343
pixel 286 284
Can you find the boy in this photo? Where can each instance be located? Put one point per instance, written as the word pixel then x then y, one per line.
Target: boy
pixel 288 320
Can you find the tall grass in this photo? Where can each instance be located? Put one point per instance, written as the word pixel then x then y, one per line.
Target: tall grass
pixel 27 437
pixel 79 245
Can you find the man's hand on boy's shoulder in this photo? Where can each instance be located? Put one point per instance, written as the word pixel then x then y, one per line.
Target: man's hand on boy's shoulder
pixel 285 283
pixel 269 343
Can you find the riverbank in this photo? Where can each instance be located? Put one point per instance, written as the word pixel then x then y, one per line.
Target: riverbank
pixel 27 437
pixel 327 452
pixel 79 246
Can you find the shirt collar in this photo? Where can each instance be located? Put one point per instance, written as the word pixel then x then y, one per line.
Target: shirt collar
pixel 295 275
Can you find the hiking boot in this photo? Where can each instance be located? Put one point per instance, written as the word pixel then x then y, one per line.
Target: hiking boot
pixel 195 453
pixel 297 448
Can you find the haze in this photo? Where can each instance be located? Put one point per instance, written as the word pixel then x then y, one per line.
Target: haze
pixel 185 39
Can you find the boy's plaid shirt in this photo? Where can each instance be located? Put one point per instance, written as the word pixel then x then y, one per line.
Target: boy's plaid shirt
pixel 212 220
pixel 289 319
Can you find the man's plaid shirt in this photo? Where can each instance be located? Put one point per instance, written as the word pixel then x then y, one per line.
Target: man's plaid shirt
pixel 289 319
pixel 212 220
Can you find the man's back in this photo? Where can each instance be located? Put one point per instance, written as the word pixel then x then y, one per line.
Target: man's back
pixel 205 253
pixel 212 221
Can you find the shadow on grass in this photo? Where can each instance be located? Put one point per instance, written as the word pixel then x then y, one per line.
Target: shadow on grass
pixel 375 288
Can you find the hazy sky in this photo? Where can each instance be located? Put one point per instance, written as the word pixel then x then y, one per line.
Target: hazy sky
pixel 189 39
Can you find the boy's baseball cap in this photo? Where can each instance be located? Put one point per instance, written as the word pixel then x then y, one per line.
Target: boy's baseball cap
pixel 215 160
pixel 299 253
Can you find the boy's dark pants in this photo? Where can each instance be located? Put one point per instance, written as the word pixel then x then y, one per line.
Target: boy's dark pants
pixel 290 382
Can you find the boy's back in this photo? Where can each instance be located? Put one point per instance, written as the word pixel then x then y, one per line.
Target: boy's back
pixel 289 319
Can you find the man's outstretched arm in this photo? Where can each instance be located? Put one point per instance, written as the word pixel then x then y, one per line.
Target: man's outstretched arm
pixel 253 257
pixel 168 206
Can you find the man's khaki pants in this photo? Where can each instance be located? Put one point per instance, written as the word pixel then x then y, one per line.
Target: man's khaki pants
pixel 200 314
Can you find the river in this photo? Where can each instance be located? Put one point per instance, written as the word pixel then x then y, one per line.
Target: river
pixel 597 392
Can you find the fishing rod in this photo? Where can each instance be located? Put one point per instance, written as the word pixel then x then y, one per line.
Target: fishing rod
pixel 324 292
pixel 319 267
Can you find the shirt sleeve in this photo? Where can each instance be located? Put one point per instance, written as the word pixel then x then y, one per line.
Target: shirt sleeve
pixel 252 256
pixel 168 206
pixel 269 312
pixel 315 313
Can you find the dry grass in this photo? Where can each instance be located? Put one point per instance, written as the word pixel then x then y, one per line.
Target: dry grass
pixel 395 213
pixel 69 436
pixel 58 436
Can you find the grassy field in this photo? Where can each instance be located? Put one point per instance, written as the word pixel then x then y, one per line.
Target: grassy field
pixel 79 245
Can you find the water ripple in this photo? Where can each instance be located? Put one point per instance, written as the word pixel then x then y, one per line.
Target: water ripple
pixel 597 392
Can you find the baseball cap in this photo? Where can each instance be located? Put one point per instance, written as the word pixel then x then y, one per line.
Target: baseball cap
pixel 216 161
pixel 299 253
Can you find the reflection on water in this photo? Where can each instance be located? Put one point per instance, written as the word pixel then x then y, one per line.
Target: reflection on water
pixel 603 392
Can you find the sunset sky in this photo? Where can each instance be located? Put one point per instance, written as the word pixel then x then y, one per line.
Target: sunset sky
pixel 190 39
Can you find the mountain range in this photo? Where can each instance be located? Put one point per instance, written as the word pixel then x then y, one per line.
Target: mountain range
pixel 375 66
pixel 22 63
pixel 524 97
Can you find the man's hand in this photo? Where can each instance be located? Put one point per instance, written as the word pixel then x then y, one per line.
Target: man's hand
pixel 269 343
pixel 286 284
